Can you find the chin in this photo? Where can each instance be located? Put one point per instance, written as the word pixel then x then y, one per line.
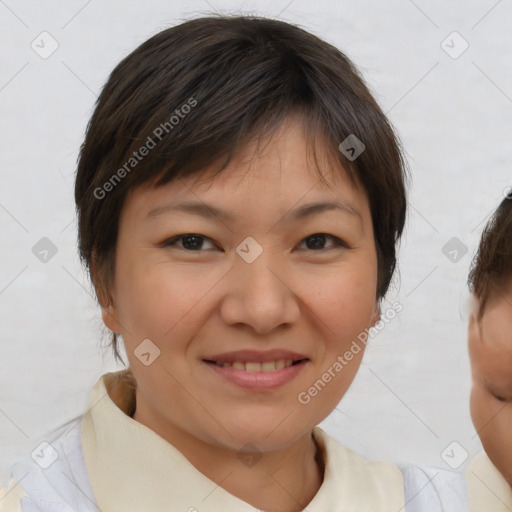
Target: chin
pixel 507 474
pixel 268 436
pixel 501 463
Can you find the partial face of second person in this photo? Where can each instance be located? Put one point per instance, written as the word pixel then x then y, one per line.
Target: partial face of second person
pixel 490 349
pixel 197 297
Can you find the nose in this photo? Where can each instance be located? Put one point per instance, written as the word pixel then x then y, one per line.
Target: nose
pixel 260 295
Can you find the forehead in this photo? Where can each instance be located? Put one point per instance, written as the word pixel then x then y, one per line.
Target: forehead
pixel 279 172
pixel 496 341
pixel 497 323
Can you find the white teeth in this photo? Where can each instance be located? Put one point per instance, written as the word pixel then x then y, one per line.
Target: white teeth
pixel 268 366
pixel 252 366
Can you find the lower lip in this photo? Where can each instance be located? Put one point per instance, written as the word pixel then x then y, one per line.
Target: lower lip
pixel 258 380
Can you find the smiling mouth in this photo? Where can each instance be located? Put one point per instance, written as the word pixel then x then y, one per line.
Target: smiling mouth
pixel 254 366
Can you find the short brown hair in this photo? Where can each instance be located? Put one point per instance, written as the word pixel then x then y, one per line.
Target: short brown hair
pixel 491 268
pixel 246 74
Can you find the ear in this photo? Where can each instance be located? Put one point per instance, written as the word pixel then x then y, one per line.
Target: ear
pixel 109 315
pixel 474 342
pixel 474 325
pixel 375 314
pixel 107 303
pixel 475 334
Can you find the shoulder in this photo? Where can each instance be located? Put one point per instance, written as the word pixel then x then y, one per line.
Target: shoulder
pixel 434 488
pixel 53 479
pixel 365 484
pixel 345 459
pixel 375 470
pixel 11 496
pixel 488 490
pixel 388 486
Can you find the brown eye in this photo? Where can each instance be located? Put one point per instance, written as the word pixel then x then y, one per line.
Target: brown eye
pixel 191 242
pixel 318 241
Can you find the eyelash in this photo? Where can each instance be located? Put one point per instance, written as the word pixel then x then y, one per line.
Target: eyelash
pixel 172 241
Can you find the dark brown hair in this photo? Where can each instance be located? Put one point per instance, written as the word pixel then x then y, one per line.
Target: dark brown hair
pixel 213 84
pixel 491 268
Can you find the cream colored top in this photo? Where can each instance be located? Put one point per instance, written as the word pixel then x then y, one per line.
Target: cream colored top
pixel 488 490
pixel 131 468
pixel 109 461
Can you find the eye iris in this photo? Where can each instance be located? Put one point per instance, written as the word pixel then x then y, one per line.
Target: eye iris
pixel 316 245
pixel 195 242
pixel 195 245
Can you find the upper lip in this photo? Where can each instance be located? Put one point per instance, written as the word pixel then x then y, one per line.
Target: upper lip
pixel 255 356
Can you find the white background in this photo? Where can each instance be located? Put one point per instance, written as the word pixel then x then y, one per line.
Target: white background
pixel 410 398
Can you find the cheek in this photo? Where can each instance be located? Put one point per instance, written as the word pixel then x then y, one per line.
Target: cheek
pixel 477 405
pixel 343 304
pixel 156 298
pixel 345 299
pixel 502 443
pixel 484 408
pixel 492 420
pixel 153 298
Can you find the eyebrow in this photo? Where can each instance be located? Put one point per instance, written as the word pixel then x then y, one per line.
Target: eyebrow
pixel 212 212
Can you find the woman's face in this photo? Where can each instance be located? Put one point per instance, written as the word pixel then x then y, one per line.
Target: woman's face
pixel 490 349
pixel 271 275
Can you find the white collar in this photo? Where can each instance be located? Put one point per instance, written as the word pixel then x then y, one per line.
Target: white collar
pixel 133 469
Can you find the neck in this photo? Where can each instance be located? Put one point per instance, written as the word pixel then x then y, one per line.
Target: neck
pixel 284 480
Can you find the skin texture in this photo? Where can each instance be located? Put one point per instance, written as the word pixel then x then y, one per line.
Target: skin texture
pixel 490 349
pixel 193 303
